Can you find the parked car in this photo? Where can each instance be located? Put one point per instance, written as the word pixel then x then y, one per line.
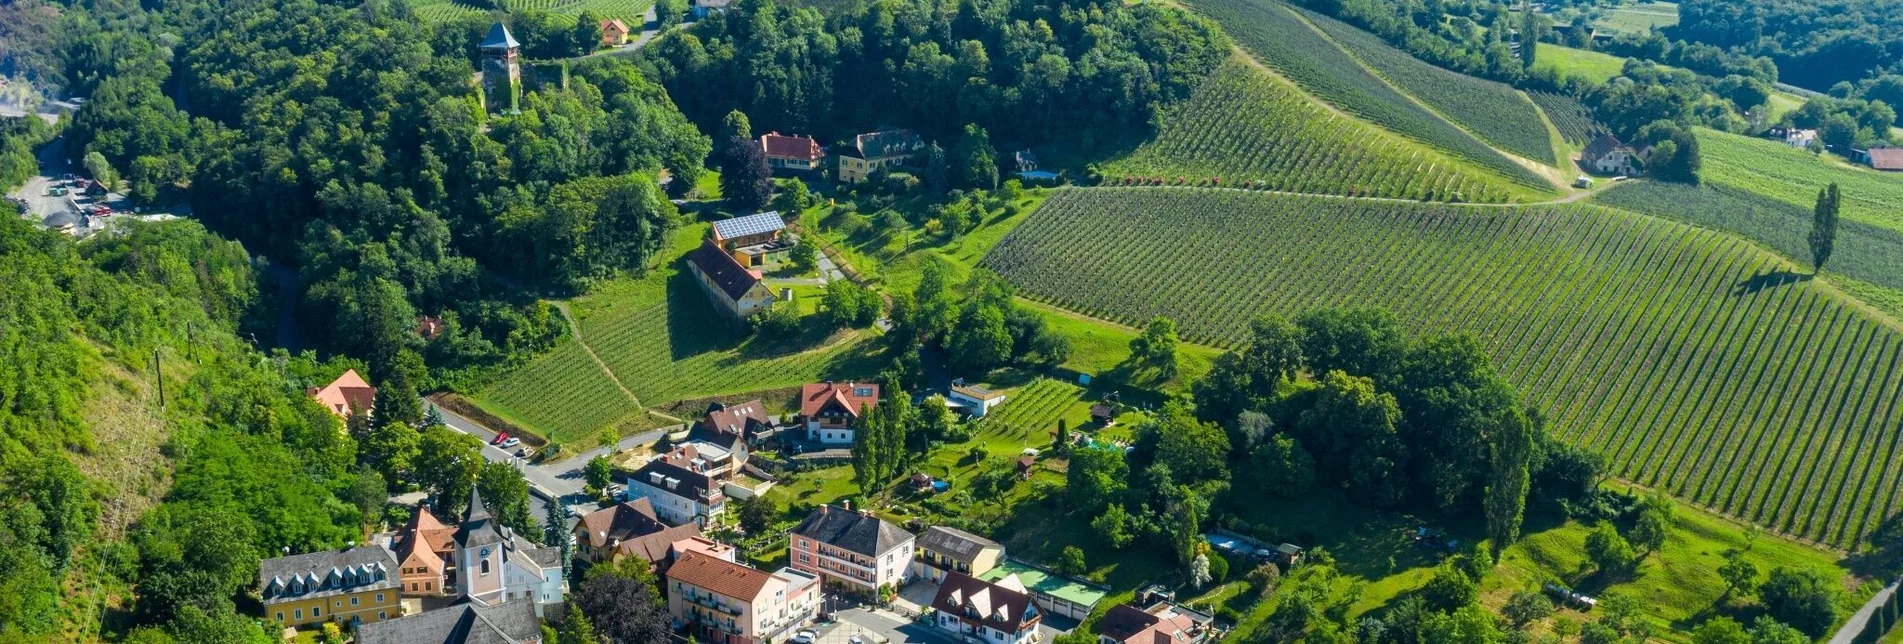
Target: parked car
pixel 805 636
pixel 512 442
pixel 500 436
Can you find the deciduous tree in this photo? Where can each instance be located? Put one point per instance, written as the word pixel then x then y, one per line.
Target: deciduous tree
pixel 1823 227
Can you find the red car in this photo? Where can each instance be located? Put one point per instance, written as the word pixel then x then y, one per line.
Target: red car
pixel 500 436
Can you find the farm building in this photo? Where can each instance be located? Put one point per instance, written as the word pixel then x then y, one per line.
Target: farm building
pixel 1606 155
pixel 736 291
pixel 1886 159
pixel 875 150
pixel 614 33
pixel 753 239
pixel 791 153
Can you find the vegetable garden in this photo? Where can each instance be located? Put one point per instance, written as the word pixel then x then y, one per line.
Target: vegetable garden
pixel 1491 110
pixel 1794 176
pixel 1274 34
pixel 1694 361
pixel 1249 128
pixel 1575 124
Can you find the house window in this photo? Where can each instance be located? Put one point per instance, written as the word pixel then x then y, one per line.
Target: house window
pixel 280 616
pixel 485 567
pixel 379 598
pixel 383 615
pixel 353 601
pixel 317 611
pixel 297 614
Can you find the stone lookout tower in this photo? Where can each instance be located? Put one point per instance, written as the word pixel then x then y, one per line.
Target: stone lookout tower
pixel 501 69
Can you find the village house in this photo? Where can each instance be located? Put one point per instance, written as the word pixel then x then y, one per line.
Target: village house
pixel 973 399
pixel 349 586
pixel 943 550
pixel 614 33
pixel 723 602
pixel 704 8
pixel 830 410
pixel 1153 618
pixel 872 151
pixel 600 533
pixel 792 154
pixel 424 549
pixel 738 293
pixel 511 623
pixel 1606 155
pixel 1799 138
pixel 852 550
pixel 752 240
pixel 494 565
pixel 994 613
pixel 684 485
pixel 740 425
pixel 346 395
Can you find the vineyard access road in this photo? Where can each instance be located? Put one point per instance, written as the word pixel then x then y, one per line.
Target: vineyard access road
pixel 559 481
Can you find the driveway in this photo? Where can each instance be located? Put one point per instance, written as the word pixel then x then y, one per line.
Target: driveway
pixel 1854 628
pixel 560 480
pixel 875 625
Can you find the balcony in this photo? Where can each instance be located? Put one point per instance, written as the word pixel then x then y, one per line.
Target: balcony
pixel 710 602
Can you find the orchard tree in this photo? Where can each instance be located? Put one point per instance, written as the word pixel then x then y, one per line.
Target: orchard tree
pixel 1156 347
pixel 1657 518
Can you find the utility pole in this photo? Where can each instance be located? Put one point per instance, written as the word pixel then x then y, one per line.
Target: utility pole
pixel 158 374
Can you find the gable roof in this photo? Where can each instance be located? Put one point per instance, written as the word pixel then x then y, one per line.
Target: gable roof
pixel 887 143
pixel 349 392
pixel 499 38
pixel 992 605
pixel 327 572
pixel 737 418
pixel 1600 147
pixel 818 397
pixel 655 547
pixel 1886 158
pixel 847 530
pixel 674 466
pixel 723 270
pixel 1162 623
pixel 784 146
pixel 718 575
pixel 621 522
pixel 754 224
pixel 463 623
pixel 954 543
pixel 616 24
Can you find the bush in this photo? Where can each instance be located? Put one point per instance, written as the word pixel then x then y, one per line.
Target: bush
pixel 1264 578
pixel 1802 599
pixel 1218 568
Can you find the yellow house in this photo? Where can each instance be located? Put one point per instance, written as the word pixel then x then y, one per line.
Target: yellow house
pixel 874 150
pixel 352 586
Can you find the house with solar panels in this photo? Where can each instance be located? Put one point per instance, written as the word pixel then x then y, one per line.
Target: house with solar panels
pixel 753 240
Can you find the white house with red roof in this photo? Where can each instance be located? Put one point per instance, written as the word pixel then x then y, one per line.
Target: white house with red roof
pixel 792 153
pixel 830 410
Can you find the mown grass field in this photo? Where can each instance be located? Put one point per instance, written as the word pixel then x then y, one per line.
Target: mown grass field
pixel 663 341
pixel 1694 361
pixel 630 11
pixel 1599 67
pixel 1640 18
pixel 1794 176
pixel 1281 39
pixel 1248 127
pixel 1494 111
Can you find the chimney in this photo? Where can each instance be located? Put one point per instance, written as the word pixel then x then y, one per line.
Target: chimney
pixel 846 504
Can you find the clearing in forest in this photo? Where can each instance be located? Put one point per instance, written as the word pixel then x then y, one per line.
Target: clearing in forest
pixel 1695 361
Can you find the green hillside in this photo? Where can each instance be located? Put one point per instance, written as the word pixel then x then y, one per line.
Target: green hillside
pixel 1794 176
pixel 662 340
pixel 630 11
pixel 1494 111
pixel 1696 362
pixel 1274 34
pixel 1574 122
pixel 1248 127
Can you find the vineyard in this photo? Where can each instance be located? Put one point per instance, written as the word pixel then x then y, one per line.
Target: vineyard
pixel 1694 361
pixel 1250 128
pixel 1032 411
pixel 1863 251
pixel 1279 38
pixel 630 11
pixel 1494 111
pixel 1794 176
pixel 664 341
pixel 1575 124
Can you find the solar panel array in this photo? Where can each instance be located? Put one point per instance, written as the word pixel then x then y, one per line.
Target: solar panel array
pixel 749 225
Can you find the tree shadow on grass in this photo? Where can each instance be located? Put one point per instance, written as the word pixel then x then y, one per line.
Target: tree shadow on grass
pixel 1882 558
pixel 1768 280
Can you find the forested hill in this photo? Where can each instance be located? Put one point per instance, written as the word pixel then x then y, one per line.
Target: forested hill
pixel 109 489
pixel 348 140
pixel 1816 43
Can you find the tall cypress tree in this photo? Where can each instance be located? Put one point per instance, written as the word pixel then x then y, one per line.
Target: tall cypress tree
pixel 1506 489
pixel 1823 226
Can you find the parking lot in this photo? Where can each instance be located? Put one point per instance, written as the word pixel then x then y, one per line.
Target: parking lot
pixel 878 626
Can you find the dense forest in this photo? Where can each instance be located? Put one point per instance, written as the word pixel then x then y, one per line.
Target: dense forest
pixel 1027 72
pixel 1817 44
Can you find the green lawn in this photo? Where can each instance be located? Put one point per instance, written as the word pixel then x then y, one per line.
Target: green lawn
pixel 1794 176
pixel 1599 67
pixel 1640 18
pixel 662 340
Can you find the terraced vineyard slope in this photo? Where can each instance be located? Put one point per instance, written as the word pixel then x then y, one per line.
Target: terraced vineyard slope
pixel 1693 360
pixel 1794 176
pixel 1495 111
pixel 1574 123
pixel 1274 34
pixel 1248 127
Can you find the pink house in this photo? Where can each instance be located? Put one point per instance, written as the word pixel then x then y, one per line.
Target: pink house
pixel 855 551
pixel 723 602
pixel 345 395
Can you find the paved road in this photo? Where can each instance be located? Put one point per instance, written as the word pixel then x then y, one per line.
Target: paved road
pixel 1851 629
pixel 883 624
pixel 560 480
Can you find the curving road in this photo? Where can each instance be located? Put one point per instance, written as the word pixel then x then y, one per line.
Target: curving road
pixel 559 481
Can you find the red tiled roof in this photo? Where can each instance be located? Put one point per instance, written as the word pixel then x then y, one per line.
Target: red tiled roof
pixel 779 145
pixel 817 397
pixel 1886 158
pixel 718 575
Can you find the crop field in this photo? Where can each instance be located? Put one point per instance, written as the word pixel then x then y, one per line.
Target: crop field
pixel 1696 362
pixel 1494 111
pixel 1248 127
pixel 1863 252
pixel 663 341
pixel 1575 124
pixel 1794 176
pixel 630 11
pixel 1274 34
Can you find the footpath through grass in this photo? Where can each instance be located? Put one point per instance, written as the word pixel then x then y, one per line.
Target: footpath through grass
pixel 1694 361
